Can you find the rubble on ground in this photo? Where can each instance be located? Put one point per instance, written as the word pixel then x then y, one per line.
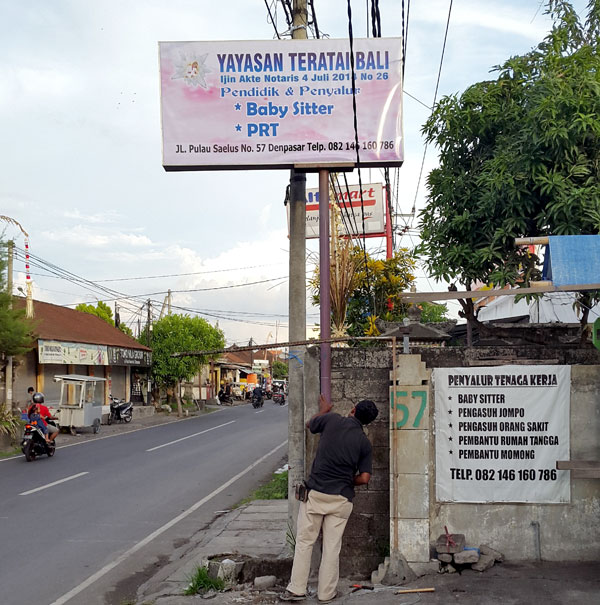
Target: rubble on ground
pixel 453 554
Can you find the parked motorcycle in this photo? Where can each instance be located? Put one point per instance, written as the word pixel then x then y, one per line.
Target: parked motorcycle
pixel 120 410
pixel 34 443
pixel 279 398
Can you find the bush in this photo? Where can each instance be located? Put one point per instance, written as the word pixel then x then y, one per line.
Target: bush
pixel 200 582
pixel 9 423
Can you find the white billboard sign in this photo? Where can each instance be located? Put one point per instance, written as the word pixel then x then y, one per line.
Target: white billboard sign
pixel 280 103
pixel 53 351
pixel 353 209
pixel 499 432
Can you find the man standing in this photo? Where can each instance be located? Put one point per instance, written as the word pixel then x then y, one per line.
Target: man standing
pixel 343 460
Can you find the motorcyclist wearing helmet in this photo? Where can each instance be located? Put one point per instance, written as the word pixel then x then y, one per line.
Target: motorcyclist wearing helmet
pixel 36 419
pixel 38 400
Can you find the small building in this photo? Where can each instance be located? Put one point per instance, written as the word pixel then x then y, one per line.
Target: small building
pixel 73 342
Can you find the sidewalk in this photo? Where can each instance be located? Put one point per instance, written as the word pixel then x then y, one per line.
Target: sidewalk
pixel 258 530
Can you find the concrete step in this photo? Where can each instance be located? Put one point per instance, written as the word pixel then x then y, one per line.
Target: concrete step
pixel 143 411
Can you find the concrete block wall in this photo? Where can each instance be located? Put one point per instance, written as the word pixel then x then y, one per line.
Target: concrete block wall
pixel 364 374
pixel 566 532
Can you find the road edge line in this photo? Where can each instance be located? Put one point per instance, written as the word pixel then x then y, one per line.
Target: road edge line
pixel 104 570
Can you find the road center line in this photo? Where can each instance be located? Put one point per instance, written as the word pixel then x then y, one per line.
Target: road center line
pixel 38 489
pixel 101 572
pixel 189 436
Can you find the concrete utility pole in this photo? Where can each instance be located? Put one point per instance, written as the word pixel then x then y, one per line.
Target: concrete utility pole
pixel 297 306
pixel 149 343
pixel 9 358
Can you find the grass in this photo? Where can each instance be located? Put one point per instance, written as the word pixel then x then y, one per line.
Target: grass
pixel 200 582
pixel 275 489
pixel 10 453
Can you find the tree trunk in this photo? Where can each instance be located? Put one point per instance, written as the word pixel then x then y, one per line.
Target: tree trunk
pixel 178 399
pixel 585 305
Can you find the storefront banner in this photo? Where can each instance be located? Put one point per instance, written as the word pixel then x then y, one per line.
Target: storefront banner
pixel 499 432
pixel 121 356
pixel 53 351
pixel 278 103
pixel 352 209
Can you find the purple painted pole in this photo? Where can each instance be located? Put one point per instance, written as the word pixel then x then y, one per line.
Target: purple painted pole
pixel 324 272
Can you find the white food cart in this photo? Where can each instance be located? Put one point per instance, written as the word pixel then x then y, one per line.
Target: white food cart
pixel 78 406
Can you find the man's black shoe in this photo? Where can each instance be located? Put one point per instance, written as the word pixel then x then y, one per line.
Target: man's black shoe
pixel 290 596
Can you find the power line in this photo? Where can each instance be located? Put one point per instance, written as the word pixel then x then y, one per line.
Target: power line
pixel 433 104
pixel 273 21
pixel 356 144
pixel 186 274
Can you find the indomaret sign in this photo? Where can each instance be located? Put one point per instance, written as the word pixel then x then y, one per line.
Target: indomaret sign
pixel 276 104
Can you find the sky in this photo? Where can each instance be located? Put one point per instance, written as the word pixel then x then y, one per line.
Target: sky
pixel 81 151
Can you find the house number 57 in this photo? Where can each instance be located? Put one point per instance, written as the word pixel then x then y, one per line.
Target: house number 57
pixel 403 408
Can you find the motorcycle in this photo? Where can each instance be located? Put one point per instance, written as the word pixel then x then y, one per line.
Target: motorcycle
pixel 34 443
pixel 279 398
pixel 224 398
pixel 257 400
pixel 120 410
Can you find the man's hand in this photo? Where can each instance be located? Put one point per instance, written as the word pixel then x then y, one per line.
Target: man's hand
pixel 362 478
pixel 324 406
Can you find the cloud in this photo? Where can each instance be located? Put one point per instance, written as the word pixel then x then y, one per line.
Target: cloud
pixel 109 216
pixel 80 235
pixel 500 17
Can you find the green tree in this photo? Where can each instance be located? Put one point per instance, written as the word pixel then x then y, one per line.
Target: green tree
pixel 16 331
pixel 176 334
pixel 126 330
pixel 518 157
pixel 104 312
pixel 433 312
pixel 280 369
pixel 101 310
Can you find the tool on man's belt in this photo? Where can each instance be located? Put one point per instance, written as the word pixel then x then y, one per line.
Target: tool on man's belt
pixel 356 587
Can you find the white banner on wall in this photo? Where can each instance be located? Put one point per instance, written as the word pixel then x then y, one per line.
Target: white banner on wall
pixel 499 432
pixel 277 103
pixel 53 351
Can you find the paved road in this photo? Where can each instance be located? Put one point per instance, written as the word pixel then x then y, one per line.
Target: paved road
pixel 75 526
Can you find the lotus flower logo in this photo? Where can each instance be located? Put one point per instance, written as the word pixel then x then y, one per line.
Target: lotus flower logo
pixel 192 70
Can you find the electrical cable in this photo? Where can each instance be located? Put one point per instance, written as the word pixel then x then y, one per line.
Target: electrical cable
pixel 71 277
pixel 314 18
pixel 273 21
pixel 375 19
pixel 187 274
pixel 288 10
pixel 433 104
pixel 356 144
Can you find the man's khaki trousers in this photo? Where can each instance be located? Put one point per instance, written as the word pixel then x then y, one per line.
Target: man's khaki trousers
pixel 330 512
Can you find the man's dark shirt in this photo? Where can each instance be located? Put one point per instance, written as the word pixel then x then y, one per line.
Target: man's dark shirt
pixel 344 450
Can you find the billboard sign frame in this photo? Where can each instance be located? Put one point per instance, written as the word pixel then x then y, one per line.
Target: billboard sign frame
pixel 229 105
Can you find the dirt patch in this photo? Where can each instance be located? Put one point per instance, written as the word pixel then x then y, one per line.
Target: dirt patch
pixel 125 591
